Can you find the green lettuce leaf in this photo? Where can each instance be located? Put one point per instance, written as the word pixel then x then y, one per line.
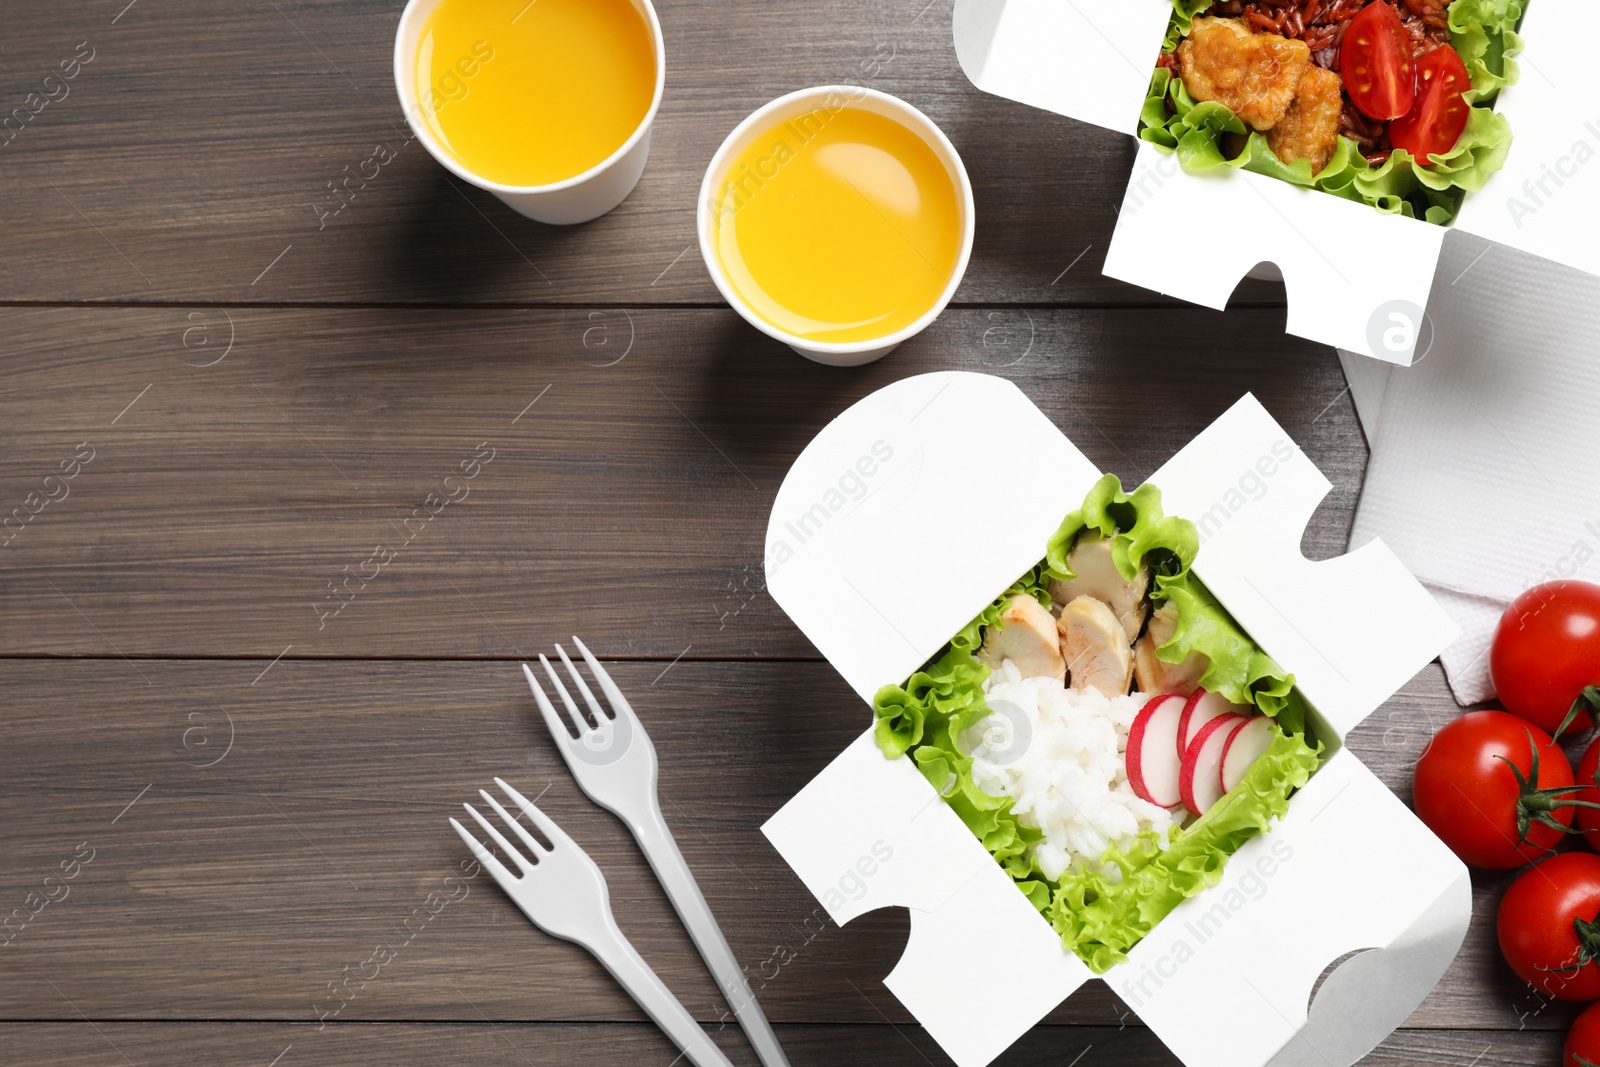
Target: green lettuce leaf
pixel 1482 31
pixel 1138 529
pixel 1100 921
pixel 1237 669
pixel 1183 13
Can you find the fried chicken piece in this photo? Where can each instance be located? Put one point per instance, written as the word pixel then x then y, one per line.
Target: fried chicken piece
pixel 1310 128
pixel 1254 74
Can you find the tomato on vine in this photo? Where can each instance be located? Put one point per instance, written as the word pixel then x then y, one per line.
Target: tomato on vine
pixel 1496 790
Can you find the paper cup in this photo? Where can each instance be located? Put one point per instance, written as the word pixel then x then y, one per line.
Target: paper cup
pixel 577 199
pixel 834 353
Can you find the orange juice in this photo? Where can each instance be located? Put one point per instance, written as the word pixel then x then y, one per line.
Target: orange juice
pixel 838 225
pixel 531 93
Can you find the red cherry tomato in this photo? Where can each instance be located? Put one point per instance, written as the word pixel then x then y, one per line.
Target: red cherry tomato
pixel 1583 1040
pixel 1376 63
pixel 1589 818
pixel 1546 651
pixel 1435 121
pixel 1495 789
pixel 1547 926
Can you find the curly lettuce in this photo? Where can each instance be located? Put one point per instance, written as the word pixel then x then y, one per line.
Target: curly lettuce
pixel 1100 920
pixel 926 715
pixel 1207 136
pixel 1484 33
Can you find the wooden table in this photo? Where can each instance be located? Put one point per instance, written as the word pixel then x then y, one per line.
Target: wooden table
pixel 254 786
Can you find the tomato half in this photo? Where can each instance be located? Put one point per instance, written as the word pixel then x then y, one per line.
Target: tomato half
pixel 1495 789
pixel 1375 61
pixel 1549 926
pixel 1546 651
pixel 1435 121
pixel 1583 1040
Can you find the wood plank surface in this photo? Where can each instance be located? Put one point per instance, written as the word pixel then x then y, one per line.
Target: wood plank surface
pixel 230 509
pixel 246 757
pixel 198 144
pixel 308 842
pixel 414 1045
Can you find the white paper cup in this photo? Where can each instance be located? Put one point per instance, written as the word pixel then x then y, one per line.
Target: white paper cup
pixel 578 199
pixel 834 353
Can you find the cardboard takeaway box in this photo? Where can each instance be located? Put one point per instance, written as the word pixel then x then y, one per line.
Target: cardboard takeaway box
pixel 1355 278
pixel 896 526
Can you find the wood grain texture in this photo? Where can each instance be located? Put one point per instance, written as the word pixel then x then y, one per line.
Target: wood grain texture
pixel 254 882
pixel 230 507
pixel 223 124
pixel 619 1045
pixel 267 393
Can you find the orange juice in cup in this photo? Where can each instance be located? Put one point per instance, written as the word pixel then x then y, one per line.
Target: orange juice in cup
pixel 838 220
pixel 546 103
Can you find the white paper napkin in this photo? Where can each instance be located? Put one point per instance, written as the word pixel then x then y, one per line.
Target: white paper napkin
pixel 1485 469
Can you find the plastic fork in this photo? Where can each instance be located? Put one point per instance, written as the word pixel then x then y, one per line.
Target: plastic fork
pixel 563 893
pixel 615 764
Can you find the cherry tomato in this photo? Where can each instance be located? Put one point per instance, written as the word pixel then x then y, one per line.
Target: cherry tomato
pixel 1376 63
pixel 1589 818
pixel 1495 789
pixel 1435 121
pixel 1546 651
pixel 1583 1040
pixel 1548 926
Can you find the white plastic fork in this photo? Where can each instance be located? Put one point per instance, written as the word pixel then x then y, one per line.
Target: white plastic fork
pixel 563 893
pixel 615 764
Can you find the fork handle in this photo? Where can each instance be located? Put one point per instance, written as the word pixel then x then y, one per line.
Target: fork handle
pixel 661 849
pixel 629 968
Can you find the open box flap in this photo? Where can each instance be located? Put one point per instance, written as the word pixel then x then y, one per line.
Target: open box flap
pixel 1543 202
pixel 1319 886
pixel 1194 236
pixel 871 833
pixel 870 549
pixel 1088 61
pixel 1352 629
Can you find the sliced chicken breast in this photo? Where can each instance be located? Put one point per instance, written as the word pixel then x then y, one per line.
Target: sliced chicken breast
pixel 1097 576
pixel 1026 637
pixel 1154 674
pixel 1095 647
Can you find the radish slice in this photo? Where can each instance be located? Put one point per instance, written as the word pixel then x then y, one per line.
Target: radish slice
pixel 1200 780
pixel 1247 742
pixel 1201 709
pixel 1153 764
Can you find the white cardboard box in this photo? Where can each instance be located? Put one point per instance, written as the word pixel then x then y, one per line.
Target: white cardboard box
pixel 1348 269
pixel 888 535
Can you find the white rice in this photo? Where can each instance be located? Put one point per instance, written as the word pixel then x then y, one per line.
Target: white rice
pixel 1058 753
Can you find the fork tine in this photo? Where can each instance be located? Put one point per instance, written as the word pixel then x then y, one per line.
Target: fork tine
pixel 484 856
pixel 558 729
pixel 566 698
pixel 619 703
pixel 511 820
pixel 553 833
pixel 499 839
pixel 583 686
